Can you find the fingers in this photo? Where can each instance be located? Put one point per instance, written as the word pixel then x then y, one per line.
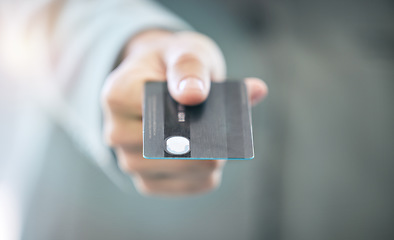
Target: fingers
pixel 189 62
pixel 179 186
pixel 123 132
pixel 192 62
pixel 257 90
pixel 122 93
pixel 131 161
pixel 170 177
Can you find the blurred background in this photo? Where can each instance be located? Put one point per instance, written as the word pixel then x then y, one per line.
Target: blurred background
pixel 324 137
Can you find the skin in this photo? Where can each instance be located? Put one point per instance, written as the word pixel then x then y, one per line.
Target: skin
pixel 189 61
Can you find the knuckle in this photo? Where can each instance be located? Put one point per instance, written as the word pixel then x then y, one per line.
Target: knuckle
pixel 128 165
pixel 131 161
pixel 108 94
pixel 146 187
pixel 188 58
pixel 112 137
pixel 118 135
pixel 125 166
pixel 210 183
pixel 111 98
pixel 123 97
pixel 198 41
pixel 145 190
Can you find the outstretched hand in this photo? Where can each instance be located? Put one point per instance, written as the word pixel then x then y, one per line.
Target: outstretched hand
pixel 189 61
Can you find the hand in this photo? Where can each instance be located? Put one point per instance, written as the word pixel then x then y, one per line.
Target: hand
pixel 189 61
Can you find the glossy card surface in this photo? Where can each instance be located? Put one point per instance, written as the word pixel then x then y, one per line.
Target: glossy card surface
pixel 219 128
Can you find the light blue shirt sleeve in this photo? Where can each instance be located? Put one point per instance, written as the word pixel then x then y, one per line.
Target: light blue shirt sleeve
pixel 87 39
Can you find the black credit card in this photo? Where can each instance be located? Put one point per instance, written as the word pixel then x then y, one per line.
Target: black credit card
pixel 219 128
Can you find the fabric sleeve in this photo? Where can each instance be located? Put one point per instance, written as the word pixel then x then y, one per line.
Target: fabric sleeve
pixel 84 39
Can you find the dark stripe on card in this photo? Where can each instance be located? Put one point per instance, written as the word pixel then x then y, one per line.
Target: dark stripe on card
pixel 234 125
pixel 176 122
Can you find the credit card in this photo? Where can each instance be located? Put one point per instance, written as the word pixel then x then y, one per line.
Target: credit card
pixel 219 128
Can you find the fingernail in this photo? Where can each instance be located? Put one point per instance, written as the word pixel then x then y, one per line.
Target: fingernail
pixel 193 84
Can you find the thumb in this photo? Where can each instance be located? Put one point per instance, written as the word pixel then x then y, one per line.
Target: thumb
pixel 192 62
pixel 188 78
